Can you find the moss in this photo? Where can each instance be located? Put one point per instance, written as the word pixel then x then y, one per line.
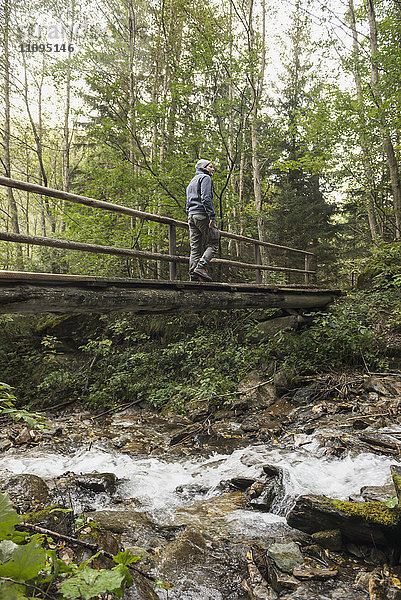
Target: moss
pixel 35 516
pixel 374 512
pixel 397 485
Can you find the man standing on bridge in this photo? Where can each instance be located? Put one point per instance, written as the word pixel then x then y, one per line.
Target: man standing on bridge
pixel 203 233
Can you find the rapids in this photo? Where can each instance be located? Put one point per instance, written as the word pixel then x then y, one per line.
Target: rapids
pixel 163 486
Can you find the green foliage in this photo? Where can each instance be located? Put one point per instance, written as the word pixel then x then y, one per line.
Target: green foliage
pixel 31 565
pixel 125 558
pixel 344 336
pixel 195 365
pixel 89 583
pixel 384 266
pixel 8 517
pixel 25 562
pixel 7 400
pixel 171 363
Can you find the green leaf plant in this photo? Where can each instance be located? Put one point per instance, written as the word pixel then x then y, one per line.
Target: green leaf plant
pixel 28 568
pixel 7 407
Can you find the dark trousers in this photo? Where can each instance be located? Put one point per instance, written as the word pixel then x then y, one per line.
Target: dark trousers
pixel 204 241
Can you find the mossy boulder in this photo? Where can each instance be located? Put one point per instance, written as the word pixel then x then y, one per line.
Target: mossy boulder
pixel 360 522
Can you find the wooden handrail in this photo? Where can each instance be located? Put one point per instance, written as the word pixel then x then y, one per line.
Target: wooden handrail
pixel 8 236
pixel 86 201
pixel 172 257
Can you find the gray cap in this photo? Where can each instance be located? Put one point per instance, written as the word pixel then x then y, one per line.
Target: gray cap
pixel 202 163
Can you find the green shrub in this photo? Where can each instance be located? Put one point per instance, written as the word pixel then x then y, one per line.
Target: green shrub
pixel 384 266
pixel 344 336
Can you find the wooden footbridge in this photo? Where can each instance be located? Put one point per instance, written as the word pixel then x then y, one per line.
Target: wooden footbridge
pixel 26 292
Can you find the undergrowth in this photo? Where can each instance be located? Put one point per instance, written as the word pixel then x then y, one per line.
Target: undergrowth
pixel 171 363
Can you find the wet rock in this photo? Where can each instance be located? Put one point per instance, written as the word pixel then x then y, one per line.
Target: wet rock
pixel 210 513
pixel 187 492
pixel 383 443
pixel 396 476
pixel 256 392
pixel 5 444
pixel 345 591
pixel 303 396
pixel 198 411
pixel 187 548
pixel 316 551
pixel 140 590
pixel 359 424
pixel 281 381
pixel 135 447
pixel 270 328
pixel 105 540
pixel 147 562
pixel 251 424
pixel 286 556
pixel 24 490
pixel 377 493
pixel 256 489
pixel 97 482
pixel 365 522
pixel 273 471
pixel 242 483
pixel 331 539
pixel 121 441
pixel 136 528
pixel 358 550
pixel 270 491
pixel 372 384
pixel 256 585
pixel 25 436
pixel 281 581
pixel 381 583
pixel 258 591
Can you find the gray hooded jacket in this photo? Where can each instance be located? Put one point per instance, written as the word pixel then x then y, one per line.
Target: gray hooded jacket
pixel 200 194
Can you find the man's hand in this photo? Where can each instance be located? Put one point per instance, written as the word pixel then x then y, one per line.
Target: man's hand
pixel 212 223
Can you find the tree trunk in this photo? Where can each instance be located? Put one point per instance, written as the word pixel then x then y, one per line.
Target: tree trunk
pixel 66 128
pixel 371 198
pixel 257 89
pixel 12 205
pixel 387 142
pixel 131 82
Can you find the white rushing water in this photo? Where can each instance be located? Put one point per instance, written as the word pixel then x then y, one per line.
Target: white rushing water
pixel 154 481
pixel 164 487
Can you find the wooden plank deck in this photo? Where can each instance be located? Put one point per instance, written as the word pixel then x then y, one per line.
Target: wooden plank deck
pixel 25 293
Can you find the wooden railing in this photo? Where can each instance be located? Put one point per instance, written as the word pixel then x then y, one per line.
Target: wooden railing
pixel 309 273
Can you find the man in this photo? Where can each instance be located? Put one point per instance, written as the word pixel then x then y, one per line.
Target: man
pixel 203 233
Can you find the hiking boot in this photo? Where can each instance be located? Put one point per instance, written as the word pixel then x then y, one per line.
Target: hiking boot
pixel 202 272
pixel 194 277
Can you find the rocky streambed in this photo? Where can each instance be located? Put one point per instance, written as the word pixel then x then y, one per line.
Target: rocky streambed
pixel 231 505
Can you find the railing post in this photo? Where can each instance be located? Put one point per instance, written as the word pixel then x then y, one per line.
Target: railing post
pixel 258 261
pixel 307 268
pixel 172 250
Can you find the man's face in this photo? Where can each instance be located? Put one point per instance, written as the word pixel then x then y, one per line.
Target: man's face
pixel 210 169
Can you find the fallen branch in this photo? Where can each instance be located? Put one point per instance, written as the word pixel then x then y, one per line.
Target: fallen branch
pixel 241 393
pixel 61 405
pixel 371 416
pixel 186 434
pixel 119 408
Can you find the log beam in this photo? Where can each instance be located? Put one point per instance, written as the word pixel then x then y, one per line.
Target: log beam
pixel 43 293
